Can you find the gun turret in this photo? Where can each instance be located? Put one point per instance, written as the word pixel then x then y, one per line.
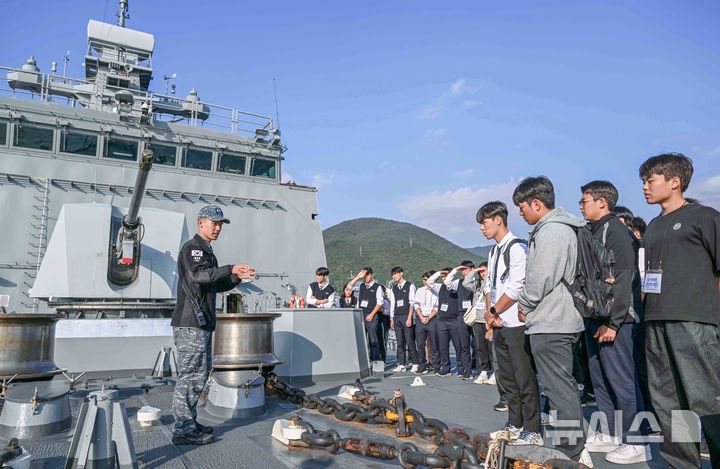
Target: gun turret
pixel 126 236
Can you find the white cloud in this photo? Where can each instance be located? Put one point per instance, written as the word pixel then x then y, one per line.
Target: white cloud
pixel 455 92
pixel 458 87
pixel 464 173
pixel 439 132
pixel 451 214
pixel 384 164
pixel 708 192
pixel 321 180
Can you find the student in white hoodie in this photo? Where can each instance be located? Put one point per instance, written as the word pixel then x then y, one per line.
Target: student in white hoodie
pixel 547 308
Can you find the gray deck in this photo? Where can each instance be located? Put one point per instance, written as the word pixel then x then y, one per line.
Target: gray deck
pixel 247 443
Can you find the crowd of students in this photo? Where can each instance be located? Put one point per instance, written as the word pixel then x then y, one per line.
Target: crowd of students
pixel 655 351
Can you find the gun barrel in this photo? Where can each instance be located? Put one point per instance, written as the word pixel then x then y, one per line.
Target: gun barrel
pixel 146 160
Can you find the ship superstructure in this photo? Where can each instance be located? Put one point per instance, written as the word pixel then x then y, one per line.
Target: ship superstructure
pixel 67 141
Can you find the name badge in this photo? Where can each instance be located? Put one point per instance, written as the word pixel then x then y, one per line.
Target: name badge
pixel 443 307
pixel 364 303
pixel 400 303
pixel 467 304
pixel 653 281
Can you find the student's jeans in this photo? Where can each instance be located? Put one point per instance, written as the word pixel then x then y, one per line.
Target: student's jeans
pixel 553 355
pixel 483 355
pixel 683 374
pixel 614 377
pixel 371 329
pixel 448 332
pixel 462 356
pixel 517 378
pixel 405 337
pixel 423 333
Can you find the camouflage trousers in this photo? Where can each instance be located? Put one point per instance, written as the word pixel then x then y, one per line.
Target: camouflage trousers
pixel 194 361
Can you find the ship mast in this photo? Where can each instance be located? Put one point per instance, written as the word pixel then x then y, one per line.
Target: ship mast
pixel 123 13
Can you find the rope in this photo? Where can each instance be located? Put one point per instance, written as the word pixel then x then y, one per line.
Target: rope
pixel 491 461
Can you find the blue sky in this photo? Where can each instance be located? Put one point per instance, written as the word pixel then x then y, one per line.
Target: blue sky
pixel 422 111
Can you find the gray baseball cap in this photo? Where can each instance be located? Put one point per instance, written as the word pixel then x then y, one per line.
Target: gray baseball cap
pixel 212 212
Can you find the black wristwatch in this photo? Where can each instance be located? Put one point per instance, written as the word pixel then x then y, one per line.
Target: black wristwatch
pixel 493 311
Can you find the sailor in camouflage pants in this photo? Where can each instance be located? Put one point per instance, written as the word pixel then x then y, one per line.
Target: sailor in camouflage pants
pixel 194 361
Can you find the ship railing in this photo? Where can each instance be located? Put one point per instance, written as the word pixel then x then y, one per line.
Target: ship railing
pixel 202 114
pixel 110 52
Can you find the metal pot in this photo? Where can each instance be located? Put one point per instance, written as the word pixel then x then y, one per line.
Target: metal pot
pixel 244 341
pixel 27 344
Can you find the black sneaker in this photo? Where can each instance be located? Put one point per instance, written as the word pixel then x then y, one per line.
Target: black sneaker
pixel 192 438
pixel 501 406
pixel 587 399
pixel 208 430
pixel 421 371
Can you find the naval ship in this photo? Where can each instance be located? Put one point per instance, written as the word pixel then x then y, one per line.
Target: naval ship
pixel 101 181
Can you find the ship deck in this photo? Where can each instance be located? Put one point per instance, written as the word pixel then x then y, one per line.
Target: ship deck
pixel 246 443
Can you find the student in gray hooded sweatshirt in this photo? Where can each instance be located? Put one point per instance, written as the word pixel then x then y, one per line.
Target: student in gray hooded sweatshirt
pixel 546 306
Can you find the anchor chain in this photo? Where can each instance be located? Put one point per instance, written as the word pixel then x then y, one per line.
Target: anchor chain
pixel 456 449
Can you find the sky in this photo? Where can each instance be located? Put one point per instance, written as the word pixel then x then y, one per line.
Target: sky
pixel 422 111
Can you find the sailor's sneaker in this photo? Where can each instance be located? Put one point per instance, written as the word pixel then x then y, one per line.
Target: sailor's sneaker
pixel 482 378
pixel 629 454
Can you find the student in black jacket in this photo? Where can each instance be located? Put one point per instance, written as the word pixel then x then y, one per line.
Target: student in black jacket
pixel 610 349
pixel 682 308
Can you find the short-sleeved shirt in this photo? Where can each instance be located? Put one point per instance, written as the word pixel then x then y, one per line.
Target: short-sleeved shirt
pixel 685 244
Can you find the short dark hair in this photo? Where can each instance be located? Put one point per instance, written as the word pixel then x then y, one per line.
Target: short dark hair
pixel 492 210
pixel 468 264
pixel 428 274
pixel 396 270
pixel 639 225
pixel 602 190
pixel 532 188
pixel 625 214
pixel 322 271
pixel 669 165
pixel 448 269
pixel 483 264
pixel 368 270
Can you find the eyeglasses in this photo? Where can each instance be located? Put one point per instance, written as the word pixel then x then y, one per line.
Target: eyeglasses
pixel 582 202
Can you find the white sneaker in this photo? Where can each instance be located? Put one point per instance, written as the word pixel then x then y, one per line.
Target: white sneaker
pixel 601 443
pixel 482 378
pixel 547 419
pixel 629 454
pixel 585 458
pixel 414 369
pixel 491 380
pixel 514 431
pixel 398 369
pixel 528 438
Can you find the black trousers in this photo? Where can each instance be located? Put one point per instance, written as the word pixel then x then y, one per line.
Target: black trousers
pixel 405 337
pixel 447 332
pixel 423 333
pixel 483 347
pixel 553 355
pixel 383 327
pixel 614 377
pixel 374 333
pixel 516 376
pixel 463 354
pixel 682 366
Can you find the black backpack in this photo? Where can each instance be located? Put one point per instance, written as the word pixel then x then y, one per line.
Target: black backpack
pixel 592 287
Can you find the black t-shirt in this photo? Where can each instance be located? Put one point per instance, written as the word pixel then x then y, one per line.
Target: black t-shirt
pixel 685 244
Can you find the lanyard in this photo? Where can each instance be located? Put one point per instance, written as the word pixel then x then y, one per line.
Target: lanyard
pixel 667 228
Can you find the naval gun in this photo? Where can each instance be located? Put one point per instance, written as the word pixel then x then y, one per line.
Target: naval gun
pixel 126 236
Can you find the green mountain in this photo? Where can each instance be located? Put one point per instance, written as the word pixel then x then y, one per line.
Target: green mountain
pixel 383 244
pixel 482 251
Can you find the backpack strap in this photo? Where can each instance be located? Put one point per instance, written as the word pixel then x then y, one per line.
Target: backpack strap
pixel 506 256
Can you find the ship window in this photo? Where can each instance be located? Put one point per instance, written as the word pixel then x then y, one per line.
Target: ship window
pixel 121 149
pixel 38 138
pixel 197 159
pixel 231 163
pixel 164 154
pixel 78 143
pixel 3 133
pixel 263 168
